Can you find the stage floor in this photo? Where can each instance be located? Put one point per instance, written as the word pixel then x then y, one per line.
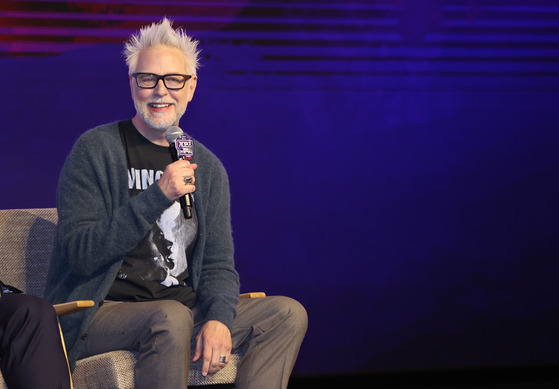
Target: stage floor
pixel 535 377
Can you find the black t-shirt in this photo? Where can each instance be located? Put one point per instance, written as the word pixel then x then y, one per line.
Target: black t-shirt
pixel 157 268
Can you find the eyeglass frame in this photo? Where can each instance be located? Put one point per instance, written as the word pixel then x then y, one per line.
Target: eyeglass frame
pixel 162 78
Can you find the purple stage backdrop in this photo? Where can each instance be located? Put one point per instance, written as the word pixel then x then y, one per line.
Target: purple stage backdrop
pixel 393 163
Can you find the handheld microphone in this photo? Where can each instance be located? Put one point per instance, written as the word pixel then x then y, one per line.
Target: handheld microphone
pixel 181 147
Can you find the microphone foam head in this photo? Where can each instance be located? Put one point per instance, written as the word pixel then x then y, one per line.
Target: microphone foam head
pixel 172 133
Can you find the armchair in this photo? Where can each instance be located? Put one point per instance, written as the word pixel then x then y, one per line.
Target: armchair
pixel 26 243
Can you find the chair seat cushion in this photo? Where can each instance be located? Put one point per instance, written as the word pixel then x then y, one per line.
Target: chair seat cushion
pixel 115 370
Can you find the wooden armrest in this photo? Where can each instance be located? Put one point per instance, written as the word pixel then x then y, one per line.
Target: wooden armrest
pixel 72 306
pixel 252 295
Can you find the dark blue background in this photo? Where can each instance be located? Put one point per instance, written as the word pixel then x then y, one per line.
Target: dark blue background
pixel 393 164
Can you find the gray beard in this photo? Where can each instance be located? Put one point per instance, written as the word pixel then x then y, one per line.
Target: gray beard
pixel 156 125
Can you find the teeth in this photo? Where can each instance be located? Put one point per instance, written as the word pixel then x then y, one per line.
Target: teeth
pixel 160 105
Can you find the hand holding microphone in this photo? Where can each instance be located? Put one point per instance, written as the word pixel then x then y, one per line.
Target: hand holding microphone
pixel 177 181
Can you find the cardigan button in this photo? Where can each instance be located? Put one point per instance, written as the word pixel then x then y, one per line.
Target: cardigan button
pixel 84 336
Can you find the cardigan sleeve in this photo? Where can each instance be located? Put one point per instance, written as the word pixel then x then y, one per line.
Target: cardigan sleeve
pixel 98 222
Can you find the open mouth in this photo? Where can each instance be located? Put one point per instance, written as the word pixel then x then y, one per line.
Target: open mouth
pixel 159 105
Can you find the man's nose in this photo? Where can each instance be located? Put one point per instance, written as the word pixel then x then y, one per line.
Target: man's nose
pixel 160 88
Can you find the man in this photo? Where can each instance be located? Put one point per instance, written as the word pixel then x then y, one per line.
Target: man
pixel 166 285
pixel 31 350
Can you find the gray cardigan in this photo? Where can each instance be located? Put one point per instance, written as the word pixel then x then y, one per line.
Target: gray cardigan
pixel 99 223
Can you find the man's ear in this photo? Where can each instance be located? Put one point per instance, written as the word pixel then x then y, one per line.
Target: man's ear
pixel 192 87
pixel 132 82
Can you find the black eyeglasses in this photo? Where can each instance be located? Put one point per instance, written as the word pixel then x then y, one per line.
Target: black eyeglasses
pixel 171 81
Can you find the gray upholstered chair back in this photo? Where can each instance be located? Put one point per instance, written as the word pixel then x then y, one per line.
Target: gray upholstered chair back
pixel 26 244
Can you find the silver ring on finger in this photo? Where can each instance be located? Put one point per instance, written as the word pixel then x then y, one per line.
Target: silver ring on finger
pixel 188 180
pixel 222 359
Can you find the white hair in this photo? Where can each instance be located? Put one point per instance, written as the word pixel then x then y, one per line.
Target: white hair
pixel 159 34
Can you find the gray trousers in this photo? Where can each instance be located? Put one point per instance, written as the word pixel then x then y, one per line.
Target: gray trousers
pixel 267 330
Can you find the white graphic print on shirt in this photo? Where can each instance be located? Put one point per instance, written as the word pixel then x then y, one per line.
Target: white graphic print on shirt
pixel 168 240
